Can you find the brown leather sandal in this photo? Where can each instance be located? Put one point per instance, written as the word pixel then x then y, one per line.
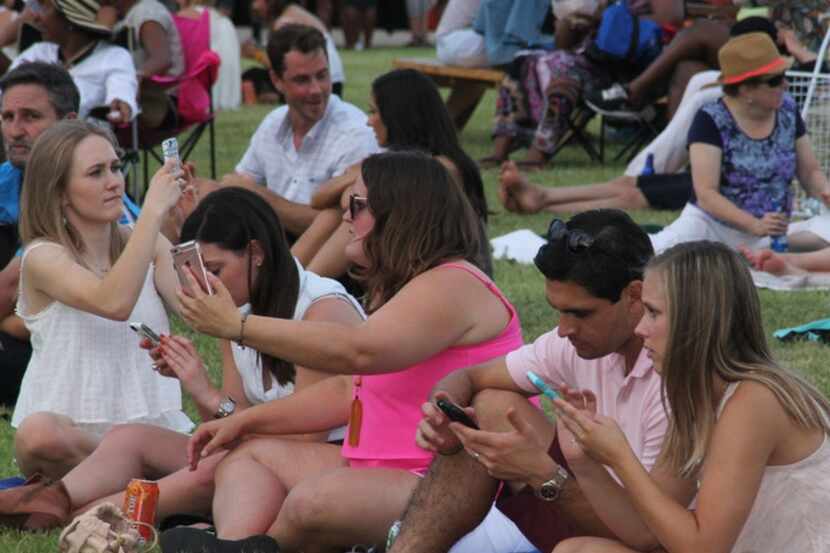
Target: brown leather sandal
pixel 39 504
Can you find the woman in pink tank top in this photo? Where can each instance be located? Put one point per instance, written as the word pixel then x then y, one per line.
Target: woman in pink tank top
pixel 431 312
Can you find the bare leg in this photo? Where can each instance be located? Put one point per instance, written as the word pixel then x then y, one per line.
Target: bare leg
pixel 502 145
pixel 369 18
pixel 331 259
pixel 432 521
pixel 788 263
pixel 806 241
pixel 312 240
pixel 520 196
pixel 51 445
pixel 253 481
pixel 351 25
pixel 341 508
pixel 699 42
pixel 683 73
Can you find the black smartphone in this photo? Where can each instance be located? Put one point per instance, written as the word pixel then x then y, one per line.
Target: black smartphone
pixel 455 413
pixel 145 332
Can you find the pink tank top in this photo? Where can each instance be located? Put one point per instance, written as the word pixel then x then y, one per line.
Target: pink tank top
pixel 392 402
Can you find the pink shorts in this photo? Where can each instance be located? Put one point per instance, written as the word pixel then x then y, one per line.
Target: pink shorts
pixel 418 467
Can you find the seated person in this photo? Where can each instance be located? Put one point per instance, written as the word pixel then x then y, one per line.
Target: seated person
pixel 227 90
pixel 104 73
pixel 157 50
pixel 405 112
pixel 241 242
pixel 432 310
pixel 82 277
pixel 593 276
pixel 456 42
pixel 742 427
pixel 745 149
pixel 35 96
pixel 317 135
pixel 274 14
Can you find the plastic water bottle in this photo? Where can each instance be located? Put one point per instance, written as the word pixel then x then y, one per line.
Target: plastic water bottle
pixel 648 168
pixel 780 243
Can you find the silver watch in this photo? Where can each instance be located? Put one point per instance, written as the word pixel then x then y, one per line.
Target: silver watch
pixel 552 489
pixel 226 408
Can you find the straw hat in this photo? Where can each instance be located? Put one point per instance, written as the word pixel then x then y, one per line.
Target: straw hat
pixel 750 55
pixel 82 13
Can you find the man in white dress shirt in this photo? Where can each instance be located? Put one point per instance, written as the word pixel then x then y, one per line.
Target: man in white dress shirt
pixel 313 137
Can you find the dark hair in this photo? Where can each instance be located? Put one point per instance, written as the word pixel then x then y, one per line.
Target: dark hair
pixel 63 94
pixel 416 117
pixel 231 218
pixel 422 219
pixel 302 38
pixel 617 257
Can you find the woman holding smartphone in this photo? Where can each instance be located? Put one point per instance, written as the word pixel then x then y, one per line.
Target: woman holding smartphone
pixel 243 244
pixel 740 425
pixel 414 236
pixel 82 277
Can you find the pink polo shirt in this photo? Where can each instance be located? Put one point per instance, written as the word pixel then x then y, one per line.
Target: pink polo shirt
pixel 633 400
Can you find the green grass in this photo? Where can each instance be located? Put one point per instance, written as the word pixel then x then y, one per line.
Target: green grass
pixel 522 284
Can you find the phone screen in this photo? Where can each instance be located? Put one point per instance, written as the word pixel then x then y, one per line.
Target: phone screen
pixel 187 256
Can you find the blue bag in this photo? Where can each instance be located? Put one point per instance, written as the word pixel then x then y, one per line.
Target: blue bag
pixel 623 37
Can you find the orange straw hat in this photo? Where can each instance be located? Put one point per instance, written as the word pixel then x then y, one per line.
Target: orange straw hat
pixel 750 55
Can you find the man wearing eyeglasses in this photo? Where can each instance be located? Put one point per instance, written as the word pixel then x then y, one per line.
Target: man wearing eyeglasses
pixel 593 268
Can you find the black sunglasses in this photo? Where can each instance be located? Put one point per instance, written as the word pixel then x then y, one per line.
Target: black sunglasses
pixel 772 82
pixel 357 204
pixel 577 241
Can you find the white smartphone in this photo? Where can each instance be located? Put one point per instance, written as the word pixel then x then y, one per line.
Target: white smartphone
pixel 187 255
pixel 146 332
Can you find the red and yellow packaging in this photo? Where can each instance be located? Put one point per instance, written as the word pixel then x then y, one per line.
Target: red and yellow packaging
pixel 140 503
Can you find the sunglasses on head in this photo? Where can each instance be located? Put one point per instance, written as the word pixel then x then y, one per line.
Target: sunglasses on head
pixel 577 241
pixel 357 204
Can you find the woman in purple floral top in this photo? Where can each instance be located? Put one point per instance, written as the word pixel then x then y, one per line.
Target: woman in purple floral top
pixel 745 149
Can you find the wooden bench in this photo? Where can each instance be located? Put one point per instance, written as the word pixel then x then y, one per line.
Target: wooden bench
pixel 467 85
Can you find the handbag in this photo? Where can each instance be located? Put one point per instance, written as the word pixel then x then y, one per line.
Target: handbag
pixel 104 529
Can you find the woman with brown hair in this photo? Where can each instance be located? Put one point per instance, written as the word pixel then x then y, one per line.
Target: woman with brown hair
pixel 414 236
pixel 82 276
pixel 752 434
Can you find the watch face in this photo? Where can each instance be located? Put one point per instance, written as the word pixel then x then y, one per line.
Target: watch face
pixel 549 491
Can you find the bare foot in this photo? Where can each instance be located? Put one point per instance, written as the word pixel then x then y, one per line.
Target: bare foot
pixel 516 194
pixel 768 261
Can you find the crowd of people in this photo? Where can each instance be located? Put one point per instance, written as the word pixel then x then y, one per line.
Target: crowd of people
pixel 375 386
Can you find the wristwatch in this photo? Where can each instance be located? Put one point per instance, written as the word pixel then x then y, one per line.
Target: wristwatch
pixel 550 490
pixel 226 408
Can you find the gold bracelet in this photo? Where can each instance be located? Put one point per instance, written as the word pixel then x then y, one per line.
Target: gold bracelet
pixel 242 320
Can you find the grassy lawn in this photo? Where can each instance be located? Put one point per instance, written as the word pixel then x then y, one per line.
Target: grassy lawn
pixel 522 284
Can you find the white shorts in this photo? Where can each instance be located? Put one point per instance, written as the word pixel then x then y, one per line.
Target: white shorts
pixel 495 534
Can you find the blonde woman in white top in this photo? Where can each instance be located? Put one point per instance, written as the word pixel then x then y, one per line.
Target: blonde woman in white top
pixel 243 244
pixel 752 435
pixel 83 276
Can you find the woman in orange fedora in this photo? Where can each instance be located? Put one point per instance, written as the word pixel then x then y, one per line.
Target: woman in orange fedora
pixel 745 149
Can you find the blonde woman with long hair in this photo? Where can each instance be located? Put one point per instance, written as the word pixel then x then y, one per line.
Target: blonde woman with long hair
pixel 82 277
pixel 751 433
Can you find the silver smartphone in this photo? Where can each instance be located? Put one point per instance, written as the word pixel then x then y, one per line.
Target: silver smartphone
pixel 145 332
pixel 187 255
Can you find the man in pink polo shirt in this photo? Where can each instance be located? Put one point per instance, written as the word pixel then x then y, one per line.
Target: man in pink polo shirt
pixel 593 268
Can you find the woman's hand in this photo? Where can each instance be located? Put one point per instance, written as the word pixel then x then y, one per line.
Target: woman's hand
pixel 600 437
pixel 434 432
pixel 210 436
pixel 582 400
pixel 183 362
pixel 216 314
pixel 771 224
pixel 120 113
pixel 165 189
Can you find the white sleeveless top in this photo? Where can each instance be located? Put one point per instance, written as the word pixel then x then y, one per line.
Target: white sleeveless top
pixel 91 369
pixel 312 289
pixel 790 510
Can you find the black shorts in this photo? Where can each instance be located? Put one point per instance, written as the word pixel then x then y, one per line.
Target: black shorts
pixel 666 191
